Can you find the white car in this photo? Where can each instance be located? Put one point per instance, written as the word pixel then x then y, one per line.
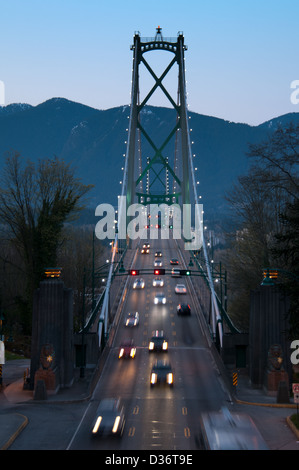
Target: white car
pixel 175 273
pixel 158 282
pixel 160 299
pixel 158 263
pixel 180 289
pixel 132 319
pixel 139 284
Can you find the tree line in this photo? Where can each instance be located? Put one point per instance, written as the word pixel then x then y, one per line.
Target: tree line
pixel 264 207
pixel 38 205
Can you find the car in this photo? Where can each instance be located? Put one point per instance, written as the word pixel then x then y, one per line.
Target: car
pixel 225 430
pixel 183 309
pixel 158 282
pixel 145 251
pixel 158 263
pixel 158 254
pixel 127 349
pixel 158 342
pixel 175 273
pixel 161 373
pixel 110 418
pixel 132 319
pixel 174 261
pixel 139 284
pixel 160 299
pixel 180 289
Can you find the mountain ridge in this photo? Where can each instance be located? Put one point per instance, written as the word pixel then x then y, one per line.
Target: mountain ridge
pixel 93 141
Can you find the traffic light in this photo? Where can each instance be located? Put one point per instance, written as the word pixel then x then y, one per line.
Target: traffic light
pixel 159 272
pixel 134 272
pixel 185 272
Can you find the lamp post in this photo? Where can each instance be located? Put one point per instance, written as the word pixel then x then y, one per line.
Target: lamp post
pixel 82 368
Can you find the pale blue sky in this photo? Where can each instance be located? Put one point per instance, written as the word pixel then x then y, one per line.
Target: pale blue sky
pixel 242 54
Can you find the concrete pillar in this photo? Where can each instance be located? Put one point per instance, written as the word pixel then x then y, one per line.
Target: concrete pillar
pixel 268 326
pixel 52 327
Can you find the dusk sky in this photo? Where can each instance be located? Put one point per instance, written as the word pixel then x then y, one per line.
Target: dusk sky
pixel 241 60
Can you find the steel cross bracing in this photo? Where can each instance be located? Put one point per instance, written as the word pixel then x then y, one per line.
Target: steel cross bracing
pixel 187 184
pixel 157 163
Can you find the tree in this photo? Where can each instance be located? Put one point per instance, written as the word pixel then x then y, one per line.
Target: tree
pixel 263 204
pixel 278 159
pixel 79 253
pixel 35 201
pixel 286 251
pixel 249 245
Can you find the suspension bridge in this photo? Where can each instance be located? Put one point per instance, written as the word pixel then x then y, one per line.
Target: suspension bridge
pixel 162 175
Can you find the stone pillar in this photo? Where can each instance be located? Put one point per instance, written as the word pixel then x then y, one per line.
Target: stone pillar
pixel 52 335
pixel 268 327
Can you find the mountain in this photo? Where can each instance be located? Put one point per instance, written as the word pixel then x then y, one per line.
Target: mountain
pixel 93 141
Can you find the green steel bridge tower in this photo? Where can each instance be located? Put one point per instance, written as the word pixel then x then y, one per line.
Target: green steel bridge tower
pixel 142 184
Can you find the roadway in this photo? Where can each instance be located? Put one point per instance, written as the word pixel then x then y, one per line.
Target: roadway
pixel 158 418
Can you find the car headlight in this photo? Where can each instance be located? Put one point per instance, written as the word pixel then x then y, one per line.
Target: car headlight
pixel 132 353
pixel 121 352
pixel 164 301
pixel 153 378
pixel 97 425
pixel 151 346
pixel 170 378
pixel 165 345
pixel 116 423
pixel 156 300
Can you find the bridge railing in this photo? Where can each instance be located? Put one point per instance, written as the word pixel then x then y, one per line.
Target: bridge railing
pixel 224 315
pixel 96 311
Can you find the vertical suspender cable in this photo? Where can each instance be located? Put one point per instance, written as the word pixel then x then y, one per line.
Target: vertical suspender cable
pixel 215 310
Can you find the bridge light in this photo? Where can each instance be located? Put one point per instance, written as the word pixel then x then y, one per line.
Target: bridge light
pixel 134 272
pixel 159 272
